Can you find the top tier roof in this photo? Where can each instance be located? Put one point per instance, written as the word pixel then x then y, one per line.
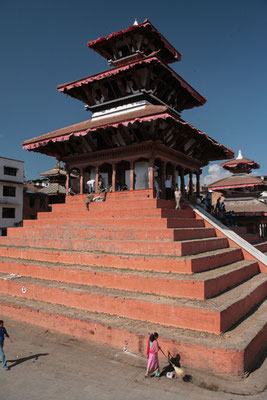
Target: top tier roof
pixel 137 42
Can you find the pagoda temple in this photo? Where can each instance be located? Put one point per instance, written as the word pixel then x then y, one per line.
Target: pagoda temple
pixel 136 131
pixel 115 269
pixel 242 193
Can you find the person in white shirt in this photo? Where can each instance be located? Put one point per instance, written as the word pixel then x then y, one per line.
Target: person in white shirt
pixel 91 184
pixel 177 196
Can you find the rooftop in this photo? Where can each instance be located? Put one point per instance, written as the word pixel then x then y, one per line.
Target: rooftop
pixel 141 38
pixel 236 181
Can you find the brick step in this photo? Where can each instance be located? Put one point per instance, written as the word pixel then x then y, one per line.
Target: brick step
pixel 261 246
pixel 118 205
pixel 127 195
pixel 118 222
pixel 182 248
pixel 137 213
pixel 213 316
pixel 112 234
pixel 206 352
pixel 198 286
pixel 186 265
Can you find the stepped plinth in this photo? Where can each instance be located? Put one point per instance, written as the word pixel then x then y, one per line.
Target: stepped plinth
pixel 113 283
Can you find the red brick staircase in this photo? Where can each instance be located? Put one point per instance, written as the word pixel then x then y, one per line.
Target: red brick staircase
pixel 133 265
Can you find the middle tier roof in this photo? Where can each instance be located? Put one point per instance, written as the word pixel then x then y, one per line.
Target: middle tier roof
pixel 148 79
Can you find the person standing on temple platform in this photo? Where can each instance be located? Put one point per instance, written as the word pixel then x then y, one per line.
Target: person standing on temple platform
pixel 168 187
pixel 177 196
pixel 3 333
pixel 158 190
pixel 218 205
pixel 100 182
pixel 233 218
pixel 91 184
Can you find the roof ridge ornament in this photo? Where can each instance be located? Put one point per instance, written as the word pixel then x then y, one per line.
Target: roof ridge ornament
pixel 239 157
pixel 135 22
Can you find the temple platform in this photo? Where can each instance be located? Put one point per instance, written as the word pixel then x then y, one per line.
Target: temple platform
pixel 133 265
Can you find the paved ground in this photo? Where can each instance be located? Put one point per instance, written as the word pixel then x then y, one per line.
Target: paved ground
pixel 45 365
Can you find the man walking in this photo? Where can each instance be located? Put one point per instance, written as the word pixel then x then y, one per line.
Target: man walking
pixel 3 333
pixel 177 196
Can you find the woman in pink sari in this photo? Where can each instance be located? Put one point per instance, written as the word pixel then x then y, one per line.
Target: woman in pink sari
pixel 153 361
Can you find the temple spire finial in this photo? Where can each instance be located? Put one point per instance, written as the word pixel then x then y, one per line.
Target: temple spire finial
pixel 135 22
pixel 239 157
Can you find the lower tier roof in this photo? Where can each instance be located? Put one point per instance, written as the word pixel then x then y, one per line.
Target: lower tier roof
pixel 156 123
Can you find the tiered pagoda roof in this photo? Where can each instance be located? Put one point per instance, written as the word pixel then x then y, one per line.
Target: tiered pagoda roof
pixel 241 178
pixel 137 101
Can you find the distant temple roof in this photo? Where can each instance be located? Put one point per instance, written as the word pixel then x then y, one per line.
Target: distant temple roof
pixel 240 168
pixel 240 164
pixel 57 170
pixel 246 207
pixel 53 189
pixel 236 181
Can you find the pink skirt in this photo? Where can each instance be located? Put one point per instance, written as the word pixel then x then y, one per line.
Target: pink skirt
pixel 152 363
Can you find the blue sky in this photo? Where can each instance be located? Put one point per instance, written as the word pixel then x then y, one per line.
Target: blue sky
pixel 44 43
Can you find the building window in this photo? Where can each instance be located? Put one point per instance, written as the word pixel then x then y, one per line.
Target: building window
pixel 8 212
pixel 9 191
pixel 10 171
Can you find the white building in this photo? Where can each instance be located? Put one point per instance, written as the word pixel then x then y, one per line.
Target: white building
pixel 11 193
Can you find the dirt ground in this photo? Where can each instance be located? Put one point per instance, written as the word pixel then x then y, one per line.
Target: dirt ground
pixel 47 365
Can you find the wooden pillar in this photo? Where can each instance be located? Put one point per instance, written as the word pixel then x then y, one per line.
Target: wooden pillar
pixel 198 184
pixel 182 188
pixel 151 173
pixel 96 179
pixel 113 177
pixel 190 183
pixel 67 182
pixel 132 175
pixel 81 180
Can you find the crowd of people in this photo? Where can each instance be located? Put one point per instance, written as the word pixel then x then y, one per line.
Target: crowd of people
pixel 226 217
